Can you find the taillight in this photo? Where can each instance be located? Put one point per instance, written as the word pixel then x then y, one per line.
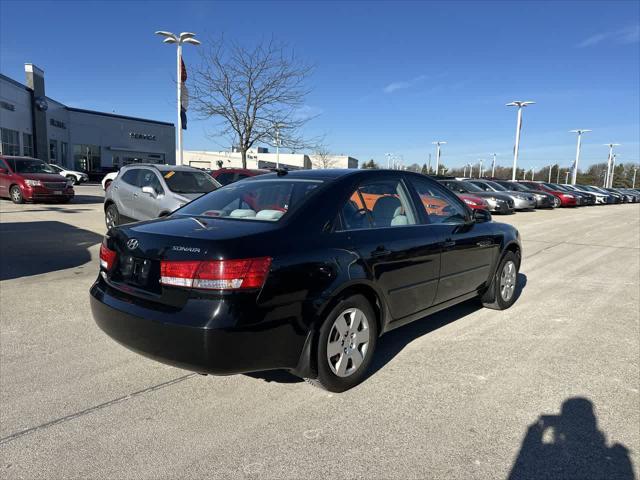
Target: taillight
pixel 216 274
pixel 107 257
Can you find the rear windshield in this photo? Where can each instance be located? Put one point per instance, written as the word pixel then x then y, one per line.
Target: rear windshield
pixel 516 187
pixel 496 185
pixel 180 181
pixel 25 165
pixel 261 200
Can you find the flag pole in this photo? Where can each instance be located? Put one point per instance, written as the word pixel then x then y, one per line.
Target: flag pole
pixel 179 93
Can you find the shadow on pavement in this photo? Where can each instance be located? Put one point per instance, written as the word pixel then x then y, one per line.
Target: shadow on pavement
pixel 86 199
pixel 392 343
pixel 33 248
pixel 570 446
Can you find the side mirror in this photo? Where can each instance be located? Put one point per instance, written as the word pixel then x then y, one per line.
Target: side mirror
pixel 481 216
pixel 3 170
pixel 150 191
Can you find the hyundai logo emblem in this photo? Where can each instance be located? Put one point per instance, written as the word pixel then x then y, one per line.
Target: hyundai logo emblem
pixel 132 244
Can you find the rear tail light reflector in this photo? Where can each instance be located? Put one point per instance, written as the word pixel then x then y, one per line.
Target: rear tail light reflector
pixel 242 274
pixel 107 257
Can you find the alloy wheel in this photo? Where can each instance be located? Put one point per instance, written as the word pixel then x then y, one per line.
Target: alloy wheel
pixel 110 219
pixel 16 195
pixel 508 280
pixel 348 342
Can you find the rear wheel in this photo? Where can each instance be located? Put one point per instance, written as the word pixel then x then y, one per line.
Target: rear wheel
pixel 16 194
pixel 502 291
pixel 556 202
pixel 346 344
pixel 112 216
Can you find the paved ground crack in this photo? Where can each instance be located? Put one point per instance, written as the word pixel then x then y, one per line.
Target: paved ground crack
pixel 87 411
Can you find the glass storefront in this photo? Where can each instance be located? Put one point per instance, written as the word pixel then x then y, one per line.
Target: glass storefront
pixel 86 158
pixel 10 142
pixel 53 151
pixel 27 145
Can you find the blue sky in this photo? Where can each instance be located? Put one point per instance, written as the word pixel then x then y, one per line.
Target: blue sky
pixel 389 76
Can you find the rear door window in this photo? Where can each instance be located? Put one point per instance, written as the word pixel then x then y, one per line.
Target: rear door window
pixel 378 204
pixel 131 177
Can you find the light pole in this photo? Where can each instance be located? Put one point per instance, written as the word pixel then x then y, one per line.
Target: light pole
pixel 520 105
pixel 558 175
pixel 566 176
pixel 388 155
pixel 613 169
pixel 471 170
pixel 480 169
pixel 533 173
pixel 550 167
pixel 493 166
pixel 437 144
pixel 464 172
pixel 575 165
pixel 184 37
pixel 633 182
pixel 277 127
pixel 608 176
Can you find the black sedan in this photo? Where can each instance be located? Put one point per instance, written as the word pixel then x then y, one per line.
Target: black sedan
pixel 302 271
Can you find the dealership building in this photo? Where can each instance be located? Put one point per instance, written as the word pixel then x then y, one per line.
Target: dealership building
pixel 33 124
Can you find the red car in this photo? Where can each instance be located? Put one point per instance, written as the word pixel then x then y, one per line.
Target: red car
pixel 473 202
pixel 565 199
pixel 225 176
pixel 29 179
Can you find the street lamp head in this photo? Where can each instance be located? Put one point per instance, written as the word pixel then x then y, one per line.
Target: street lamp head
pixel 192 41
pixel 580 131
pixel 611 144
pixel 169 40
pixel 439 143
pixel 166 34
pixel 185 35
pixel 519 103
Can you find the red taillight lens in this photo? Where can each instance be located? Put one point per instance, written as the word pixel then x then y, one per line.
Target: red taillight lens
pixel 216 274
pixel 107 257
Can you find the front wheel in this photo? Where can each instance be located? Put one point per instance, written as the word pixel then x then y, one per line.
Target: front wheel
pixel 556 202
pixel 346 344
pixel 16 194
pixel 72 179
pixel 501 294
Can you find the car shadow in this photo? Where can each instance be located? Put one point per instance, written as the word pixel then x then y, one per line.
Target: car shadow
pixel 88 199
pixel 33 248
pixel 570 446
pixel 393 342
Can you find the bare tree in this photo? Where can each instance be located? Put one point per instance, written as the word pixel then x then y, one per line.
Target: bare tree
pixel 255 94
pixel 323 158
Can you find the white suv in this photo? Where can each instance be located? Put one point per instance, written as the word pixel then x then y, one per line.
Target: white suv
pixel 72 175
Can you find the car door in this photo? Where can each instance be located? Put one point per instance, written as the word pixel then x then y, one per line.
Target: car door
pixel 124 187
pixel 469 249
pixel 401 255
pixel 5 179
pixel 148 205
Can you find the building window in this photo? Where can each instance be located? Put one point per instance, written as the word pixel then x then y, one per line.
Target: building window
pixel 64 147
pixel 27 145
pixel 53 151
pixel 86 157
pixel 10 142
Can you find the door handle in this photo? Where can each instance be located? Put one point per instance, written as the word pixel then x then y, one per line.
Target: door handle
pixel 135 195
pixel 449 243
pixel 380 252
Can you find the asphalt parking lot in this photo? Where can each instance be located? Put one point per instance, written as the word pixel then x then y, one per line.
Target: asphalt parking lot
pixel 466 393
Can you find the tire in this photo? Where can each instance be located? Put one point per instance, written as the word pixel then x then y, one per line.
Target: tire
pixel 111 216
pixel 346 322
pixel 501 294
pixel 16 194
pixel 72 179
pixel 556 202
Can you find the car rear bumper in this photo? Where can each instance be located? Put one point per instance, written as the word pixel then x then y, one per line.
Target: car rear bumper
pixel 162 334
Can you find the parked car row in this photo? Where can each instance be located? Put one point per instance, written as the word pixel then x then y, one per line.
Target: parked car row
pixel 504 197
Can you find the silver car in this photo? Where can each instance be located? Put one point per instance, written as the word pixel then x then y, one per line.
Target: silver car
pixel 521 200
pixel 147 191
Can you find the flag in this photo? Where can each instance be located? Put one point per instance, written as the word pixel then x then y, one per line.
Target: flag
pixel 184 94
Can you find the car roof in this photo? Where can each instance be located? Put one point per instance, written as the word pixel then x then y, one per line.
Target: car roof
pixel 327 174
pixel 163 167
pixel 18 157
